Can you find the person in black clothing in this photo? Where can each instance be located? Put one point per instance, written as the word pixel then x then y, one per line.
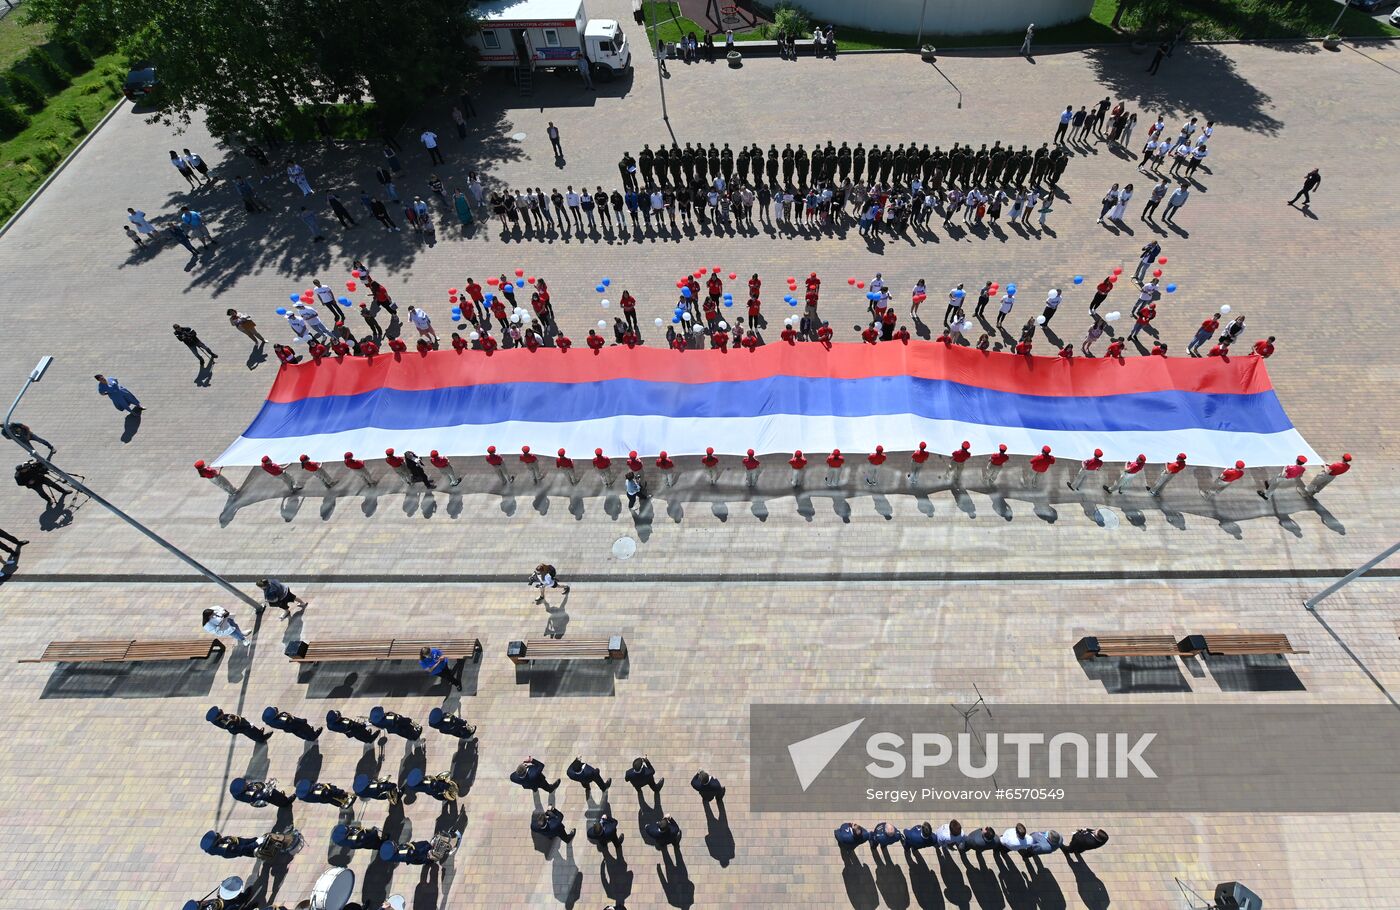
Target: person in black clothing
pixel 1085 839
pixel 709 48
pixel 191 340
pixel 1311 182
pixel 1157 58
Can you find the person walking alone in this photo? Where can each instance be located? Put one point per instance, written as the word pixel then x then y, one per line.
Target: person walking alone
pixel 1030 36
pixel 190 338
pixel 553 132
pixel 1311 182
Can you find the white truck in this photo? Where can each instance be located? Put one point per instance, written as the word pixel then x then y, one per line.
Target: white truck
pixel 549 34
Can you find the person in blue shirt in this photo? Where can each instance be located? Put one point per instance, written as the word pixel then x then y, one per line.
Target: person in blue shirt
pixel 582 772
pixel 919 837
pixel 851 835
pixel 884 834
pixel 550 824
pixel 194 224
pixel 121 397
pixel 1042 842
pixel 436 664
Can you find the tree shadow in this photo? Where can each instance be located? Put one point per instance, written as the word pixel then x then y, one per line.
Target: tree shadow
pixel 1209 86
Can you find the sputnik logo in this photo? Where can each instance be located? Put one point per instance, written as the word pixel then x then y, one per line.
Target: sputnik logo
pixel 810 756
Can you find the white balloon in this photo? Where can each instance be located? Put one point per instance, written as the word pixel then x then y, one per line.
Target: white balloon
pixel 474 336
pixel 657 320
pixel 1224 309
pixel 698 329
pixel 723 326
pixel 1040 320
pixel 967 325
pixel 686 316
pixel 606 303
pixel 602 323
pixel 515 319
pixel 518 311
pixel 1113 317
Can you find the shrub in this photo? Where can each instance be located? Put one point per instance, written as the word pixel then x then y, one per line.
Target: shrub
pixel 75 118
pixel 78 54
pixel 12 119
pixel 44 64
pixel 25 90
pixel 791 19
pixel 50 155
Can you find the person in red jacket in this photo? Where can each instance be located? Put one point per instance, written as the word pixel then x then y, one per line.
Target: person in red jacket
pixel 1024 347
pixel 1264 347
pixel 715 286
pixel 875 459
pixel 798 463
pixel 869 335
pixel 834 462
pixel 824 334
pixel 750 342
pixel 788 334
pixel 214 476
pixel 498 309
pixel 442 464
pixel 901 335
pixel 604 465
pixel 959 457
pixel 532 341
pixel 667 467
pixel 995 462
pixel 399 466
pixel 1144 318
pixel 459 344
pixel 751 466
pixel 1330 473
pixel 634 464
pixel 1203 334
pixel 1100 292
pixel 1131 469
pixel 1169 470
pixel 278 471
pixel 679 343
pixel 944 339
pixel 629 311
pixel 1221 349
pixel 918 457
pixel 1086 467
pixel 755 286
pixel 369 348
pixel 720 339
pixel 813 283
pixel 340 348
pixel 317 351
pixel 812 300
pixel 1224 479
pixel 397 346
pixel 531 461
pixel 494 461
pixel 314 467
pixel 756 317
pixel 629 338
pixel 711 463
pixel 594 341
pixel 1291 474
pixel 1159 349
pixel 1115 350
pixel 563 343
pixel 488 344
pixel 1066 352
pixel 358 466
pixel 1039 465
pixel 566 464
pixel 888 321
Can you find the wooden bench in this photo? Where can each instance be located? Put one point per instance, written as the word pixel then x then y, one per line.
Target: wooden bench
pixel 354 649
pixel 1248 643
pixel 127 650
pixel 613 648
pixel 1092 646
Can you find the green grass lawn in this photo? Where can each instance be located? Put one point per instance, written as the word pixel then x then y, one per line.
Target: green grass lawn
pixel 16 39
pixel 670 24
pixel 29 157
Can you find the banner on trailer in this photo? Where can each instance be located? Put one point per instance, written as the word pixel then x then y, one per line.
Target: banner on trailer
pixel 776 399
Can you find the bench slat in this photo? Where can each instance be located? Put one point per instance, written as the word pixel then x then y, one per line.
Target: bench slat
pixel 1249 643
pixel 568 649
pixel 353 649
pixel 127 650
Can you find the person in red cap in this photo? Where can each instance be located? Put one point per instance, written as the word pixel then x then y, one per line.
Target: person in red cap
pixel 960 456
pixel 1292 473
pixel 667 467
pixel 813 283
pixel 314 467
pixel 798 462
pixel 1086 467
pixel 445 466
pixel 1131 469
pixel 1066 352
pixel 566 464
pixel 1169 470
pixel 594 341
pixel 369 348
pixel 751 466
pixel 711 464
pixel 341 348
pixel 995 462
pixel 944 339
pixel 755 285
pixel 604 465
pixel 359 468
pixel 1224 479
pixel 280 472
pixel 493 460
pixel 634 464
pixel 563 343
pixel 399 465
pixel 531 461
pixel 918 457
pixel 720 339
pixel 1039 465
pixel 1264 347
pixel 1115 350
pixel 834 463
pixel 756 317
pixel 875 459
pixel 216 477
pixel 1329 473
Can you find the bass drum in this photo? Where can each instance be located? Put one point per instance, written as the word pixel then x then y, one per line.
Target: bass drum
pixel 333 889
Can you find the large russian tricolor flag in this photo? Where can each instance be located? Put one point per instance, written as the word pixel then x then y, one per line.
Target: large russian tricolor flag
pixel 779 398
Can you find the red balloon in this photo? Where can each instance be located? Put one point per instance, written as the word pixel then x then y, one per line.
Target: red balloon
pixel 1118 271
pixel 452 299
pixel 349 285
pixel 519 273
pixel 452 291
pixel 860 284
pixel 531 279
pixel 1156 273
pixel 1162 260
pixel 792 280
pixel 680 284
pixel 994 288
pixel 699 273
pixel 715 269
pixel 850 281
pixel 733 275
pixel 355 272
pixel 493 281
pixel 1113 278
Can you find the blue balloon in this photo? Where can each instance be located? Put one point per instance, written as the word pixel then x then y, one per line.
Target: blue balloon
pixel 599 289
pixel 520 282
pixel 729 301
pixel 1011 289
pixel 345 301
pixel 960 293
pixel 1078 279
pixel 792 301
pixel 295 297
pixel 490 297
pixel 281 311
pixel 607 281
pixel 1171 289
pixel 685 292
pixel 675 319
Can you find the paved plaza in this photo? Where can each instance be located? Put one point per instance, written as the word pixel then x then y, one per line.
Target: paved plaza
pixel 112 774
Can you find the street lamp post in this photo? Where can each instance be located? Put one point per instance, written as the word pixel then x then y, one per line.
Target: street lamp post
pixel 919 41
pixel 34 376
pixel 657 52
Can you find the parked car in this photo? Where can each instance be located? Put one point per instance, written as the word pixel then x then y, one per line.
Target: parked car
pixel 1395 17
pixel 1369 6
pixel 140 83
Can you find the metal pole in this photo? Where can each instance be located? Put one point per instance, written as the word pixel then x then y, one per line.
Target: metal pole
pixel 1312 602
pixel 657 52
pixel 1338 21
pixel 78 485
pixel 919 41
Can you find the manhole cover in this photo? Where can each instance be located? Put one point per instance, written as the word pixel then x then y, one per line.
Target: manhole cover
pixel 1106 518
pixel 518 137
pixel 624 547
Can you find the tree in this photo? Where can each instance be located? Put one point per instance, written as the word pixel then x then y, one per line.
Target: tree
pixel 251 64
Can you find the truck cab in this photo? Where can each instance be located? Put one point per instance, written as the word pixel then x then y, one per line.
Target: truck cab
pixel 606 48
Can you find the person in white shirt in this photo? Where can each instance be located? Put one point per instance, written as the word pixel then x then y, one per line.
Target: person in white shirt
pixel 326 297
pixel 313 320
pixel 138 218
pixel 423 324
pixel 1007 303
pixel 430 142
pixel 877 284
pixel 1032 197
pixel 571 199
pixel 217 621
pixel 1198 156
pixel 950 835
pixel 1016 838
pixel 1121 207
pixel 298 327
pixel 1052 305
